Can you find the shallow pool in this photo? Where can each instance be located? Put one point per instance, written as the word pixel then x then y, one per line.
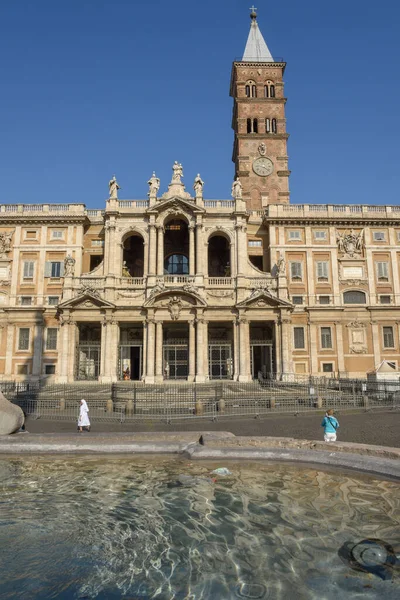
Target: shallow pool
pixel 161 528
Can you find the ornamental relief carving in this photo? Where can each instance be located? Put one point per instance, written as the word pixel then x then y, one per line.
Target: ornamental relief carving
pixel 357 337
pixel 350 243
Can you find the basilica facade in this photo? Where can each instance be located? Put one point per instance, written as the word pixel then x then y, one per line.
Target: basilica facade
pixel 178 287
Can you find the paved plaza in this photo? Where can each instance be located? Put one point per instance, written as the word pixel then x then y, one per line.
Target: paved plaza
pixel 378 428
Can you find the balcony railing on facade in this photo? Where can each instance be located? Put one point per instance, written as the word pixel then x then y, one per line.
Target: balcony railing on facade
pixel 174 280
pixel 332 210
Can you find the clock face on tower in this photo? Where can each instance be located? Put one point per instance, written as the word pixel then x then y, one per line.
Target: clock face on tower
pixel 263 166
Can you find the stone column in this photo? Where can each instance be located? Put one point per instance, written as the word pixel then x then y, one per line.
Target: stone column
pixel 376 343
pixel 340 350
pixel 241 244
pixel 236 350
pixel 278 350
pixel 192 351
pixel 199 249
pixel 152 251
pixel 71 350
pixel 160 250
pixel 113 348
pixel 144 351
pixel 9 348
pixel 111 247
pixel 104 360
pixel 63 351
pixel 314 348
pixel 150 351
pixel 37 350
pixel 191 251
pixel 244 350
pixel 200 349
pixel 286 347
pixel 159 351
pixel 206 369
pixel 145 259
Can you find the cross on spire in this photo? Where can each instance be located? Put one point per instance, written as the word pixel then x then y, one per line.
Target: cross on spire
pixel 253 13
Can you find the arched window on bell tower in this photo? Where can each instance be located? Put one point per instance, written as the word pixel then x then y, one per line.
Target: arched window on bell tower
pixel 273 126
pixel 267 125
pixel 269 89
pixel 251 89
pixel 252 126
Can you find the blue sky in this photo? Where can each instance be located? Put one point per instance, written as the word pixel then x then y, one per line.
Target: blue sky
pixel 97 87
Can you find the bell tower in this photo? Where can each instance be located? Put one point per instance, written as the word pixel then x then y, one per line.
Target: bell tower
pixel 259 123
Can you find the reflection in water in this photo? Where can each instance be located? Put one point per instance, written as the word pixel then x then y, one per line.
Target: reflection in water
pixel 158 528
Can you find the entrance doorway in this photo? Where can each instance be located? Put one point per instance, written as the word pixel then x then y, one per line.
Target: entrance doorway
pixel 175 361
pixel 220 361
pixel 130 363
pixel 261 360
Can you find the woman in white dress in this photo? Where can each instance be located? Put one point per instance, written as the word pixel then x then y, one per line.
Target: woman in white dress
pixel 83 420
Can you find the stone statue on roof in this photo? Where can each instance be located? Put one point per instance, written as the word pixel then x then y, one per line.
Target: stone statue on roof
pixel 69 266
pixel 198 186
pixel 237 189
pixel 178 172
pixel 154 186
pixel 113 188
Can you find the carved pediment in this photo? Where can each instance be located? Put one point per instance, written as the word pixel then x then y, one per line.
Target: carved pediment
pixel 86 300
pixel 263 299
pixel 185 299
pixel 176 206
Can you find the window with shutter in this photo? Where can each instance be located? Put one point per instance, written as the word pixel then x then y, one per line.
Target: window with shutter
pixel 23 338
pixel 326 337
pixel 51 340
pixel 28 269
pixel 388 337
pixel 383 271
pixel 322 271
pixel 299 341
pixel 296 271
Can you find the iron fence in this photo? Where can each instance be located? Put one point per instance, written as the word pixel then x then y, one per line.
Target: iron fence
pixel 135 401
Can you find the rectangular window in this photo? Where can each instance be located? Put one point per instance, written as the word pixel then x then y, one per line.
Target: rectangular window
pixel 97 242
pixel 382 269
pixel 296 271
pixel 298 334
pixel 22 369
pixel 322 270
pixel 324 299
pixel 30 235
pixel 326 337
pixel 23 339
pixel 320 236
pixel 388 338
pixel 295 235
pixel 384 299
pixel 327 367
pixel 54 269
pixel 51 340
pixel 29 268
pixel 53 300
pixel 255 243
pixel 50 369
pixel 26 300
pixel 379 236
pixel 57 234
pixel 297 299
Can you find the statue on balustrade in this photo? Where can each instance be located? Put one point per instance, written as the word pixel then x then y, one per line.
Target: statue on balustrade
pixel 198 186
pixel 154 186
pixel 113 188
pixel 125 270
pixel 280 264
pixel 237 189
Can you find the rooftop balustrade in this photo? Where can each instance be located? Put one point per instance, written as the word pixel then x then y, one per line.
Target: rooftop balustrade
pixel 332 210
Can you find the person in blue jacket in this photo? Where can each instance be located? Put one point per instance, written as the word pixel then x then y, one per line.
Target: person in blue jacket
pixel 330 425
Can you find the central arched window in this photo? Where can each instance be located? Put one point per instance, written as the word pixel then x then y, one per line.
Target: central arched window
pixel 177 264
pixel 251 89
pixel 354 297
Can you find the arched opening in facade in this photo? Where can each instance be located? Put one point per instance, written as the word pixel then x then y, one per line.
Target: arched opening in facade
pixel 130 357
pixel 175 360
pixel 133 256
pixel 219 254
pixel 176 248
pixel 220 350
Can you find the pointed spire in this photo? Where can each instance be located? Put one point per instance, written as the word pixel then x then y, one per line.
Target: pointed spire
pixel 256 49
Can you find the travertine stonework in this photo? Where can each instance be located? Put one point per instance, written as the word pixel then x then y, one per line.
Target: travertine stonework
pixel 180 287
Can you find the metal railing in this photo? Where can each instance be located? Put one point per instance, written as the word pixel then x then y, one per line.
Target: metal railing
pixel 136 401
